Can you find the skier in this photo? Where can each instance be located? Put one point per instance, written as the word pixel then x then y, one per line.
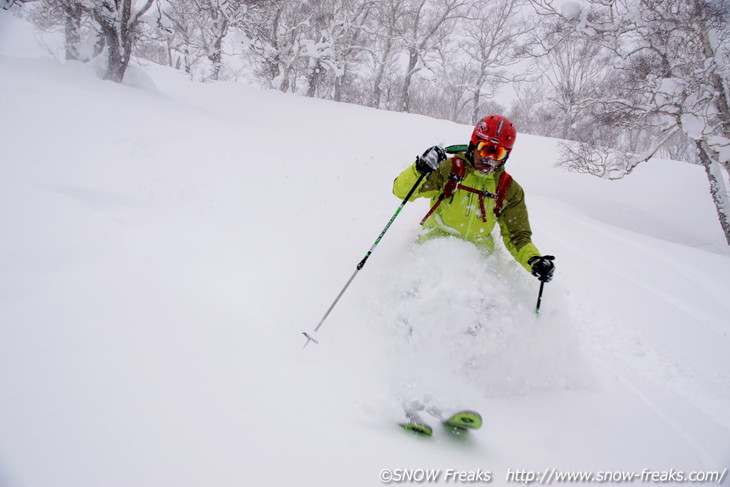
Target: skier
pixel 471 191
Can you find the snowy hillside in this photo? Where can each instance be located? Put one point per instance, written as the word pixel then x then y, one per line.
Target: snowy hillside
pixel 165 243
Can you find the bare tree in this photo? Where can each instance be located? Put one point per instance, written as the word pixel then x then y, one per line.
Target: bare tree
pixel 352 34
pixel 177 29
pixel 573 70
pixel 530 110
pixel 428 22
pixel 388 17
pixel 446 95
pixel 493 31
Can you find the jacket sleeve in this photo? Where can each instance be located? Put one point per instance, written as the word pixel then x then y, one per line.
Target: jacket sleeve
pixel 514 226
pixel 430 186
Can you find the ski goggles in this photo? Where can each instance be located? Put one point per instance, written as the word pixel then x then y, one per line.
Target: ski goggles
pixel 497 152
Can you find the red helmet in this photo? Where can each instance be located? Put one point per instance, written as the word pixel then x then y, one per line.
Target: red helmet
pixel 495 129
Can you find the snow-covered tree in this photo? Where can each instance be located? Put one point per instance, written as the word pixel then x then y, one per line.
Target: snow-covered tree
pixel 351 33
pixel 196 30
pixel 177 30
pixel 73 17
pixel 320 41
pixel 118 22
pixel 49 14
pixel 279 41
pixel 6 4
pixel 114 25
pixel 672 73
pixel 312 47
pixel 82 36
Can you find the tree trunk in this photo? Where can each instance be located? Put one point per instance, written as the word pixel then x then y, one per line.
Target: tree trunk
pixel 115 67
pixel 315 74
pixel 340 81
pixel 718 190
pixel 216 57
pixel 168 46
pixel 383 61
pixel 405 95
pixel 377 91
pixel 72 27
pixel 475 115
pixel 118 28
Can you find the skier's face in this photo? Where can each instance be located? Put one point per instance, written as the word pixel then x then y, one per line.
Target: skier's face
pixel 485 165
pixel 488 157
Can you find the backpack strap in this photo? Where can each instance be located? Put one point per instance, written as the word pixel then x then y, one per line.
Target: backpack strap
pixel 458 169
pixel 502 187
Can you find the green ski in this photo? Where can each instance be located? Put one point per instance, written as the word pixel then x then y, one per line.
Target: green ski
pixel 416 424
pixel 465 420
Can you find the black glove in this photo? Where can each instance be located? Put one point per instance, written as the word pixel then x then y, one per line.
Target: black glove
pixel 430 160
pixel 542 267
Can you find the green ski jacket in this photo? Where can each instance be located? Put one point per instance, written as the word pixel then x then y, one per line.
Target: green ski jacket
pixel 461 215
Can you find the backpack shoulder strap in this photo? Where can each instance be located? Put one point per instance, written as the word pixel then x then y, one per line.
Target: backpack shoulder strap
pixel 458 170
pixel 502 187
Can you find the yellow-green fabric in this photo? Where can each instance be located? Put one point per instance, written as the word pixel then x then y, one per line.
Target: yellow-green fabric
pixel 461 215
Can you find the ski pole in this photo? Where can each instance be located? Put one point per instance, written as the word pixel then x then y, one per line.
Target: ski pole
pixel 539 297
pixel 361 264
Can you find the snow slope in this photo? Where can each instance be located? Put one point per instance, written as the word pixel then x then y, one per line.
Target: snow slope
pixel 165 243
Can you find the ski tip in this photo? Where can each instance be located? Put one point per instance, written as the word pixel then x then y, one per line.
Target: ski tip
pixel 465 419
pixel 418 428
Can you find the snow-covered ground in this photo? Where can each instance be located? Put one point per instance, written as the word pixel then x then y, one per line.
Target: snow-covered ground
pixel 165 243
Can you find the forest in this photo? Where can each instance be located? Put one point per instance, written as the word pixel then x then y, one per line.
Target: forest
pixel 621 81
